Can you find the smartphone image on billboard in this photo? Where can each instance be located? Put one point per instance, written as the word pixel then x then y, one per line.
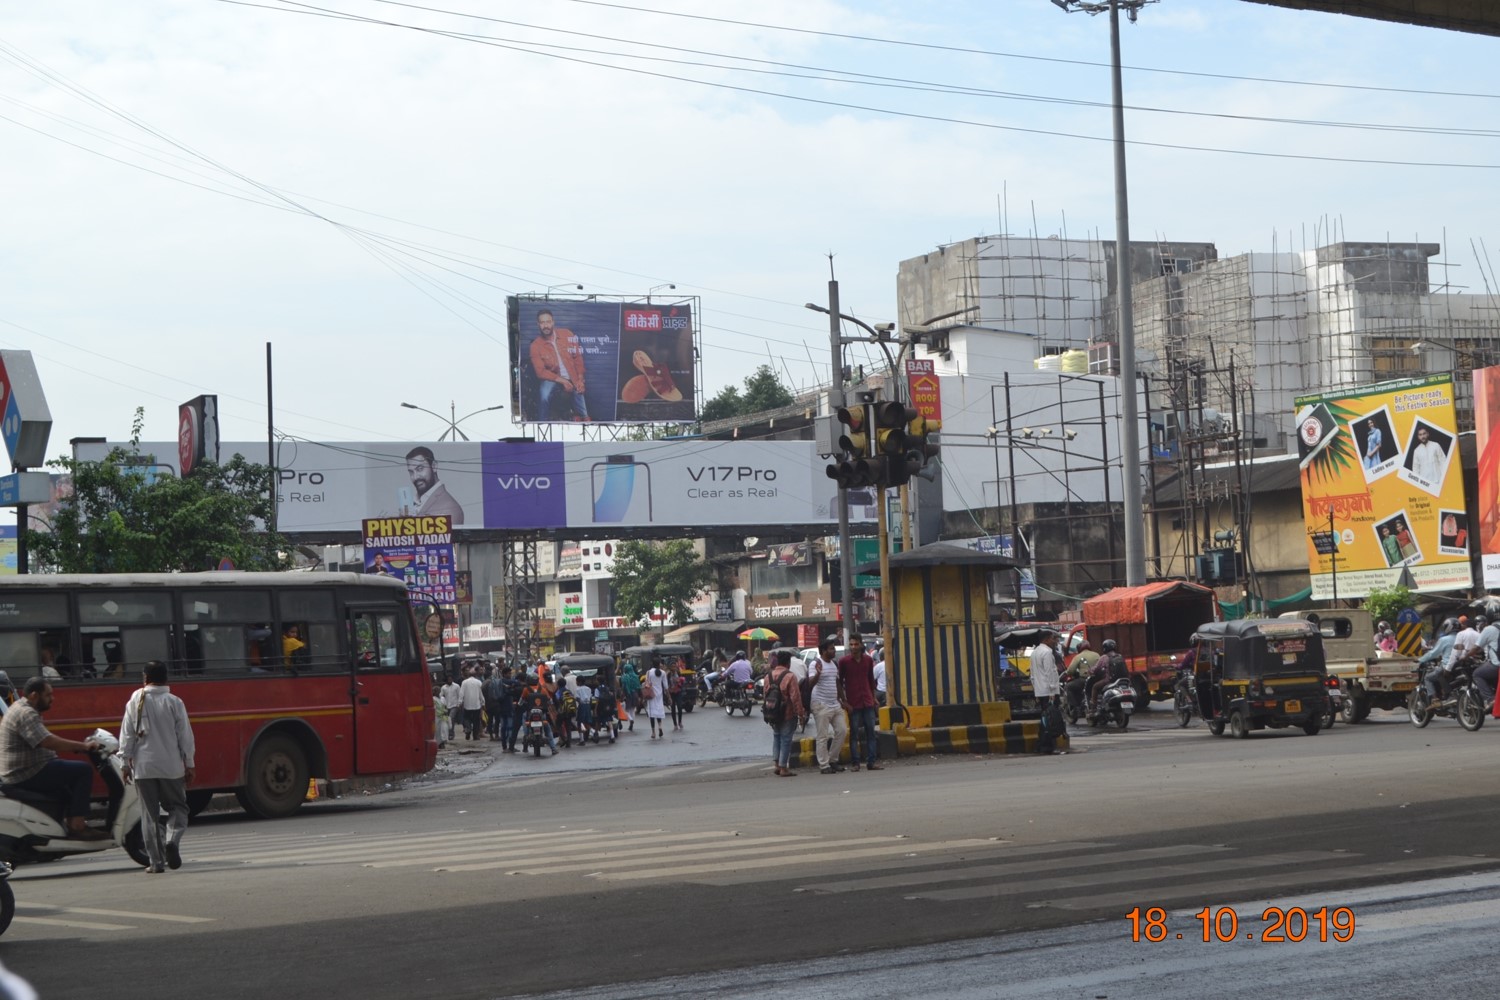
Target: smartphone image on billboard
pixel 406 499
pixel 614 488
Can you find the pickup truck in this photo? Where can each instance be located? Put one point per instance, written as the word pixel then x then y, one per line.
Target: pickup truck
pixel 1368 680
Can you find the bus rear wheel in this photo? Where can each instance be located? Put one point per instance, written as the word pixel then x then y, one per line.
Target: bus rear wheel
pixel 198 801
pixel 275 779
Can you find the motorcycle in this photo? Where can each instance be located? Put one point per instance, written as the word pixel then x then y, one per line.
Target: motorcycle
pixel 31 823
pixel 534 732
pixel 1185 698
pixel 1422 709
pixel 1473 707
pixel 738 696
pixel 1332 709
pixel 1116 703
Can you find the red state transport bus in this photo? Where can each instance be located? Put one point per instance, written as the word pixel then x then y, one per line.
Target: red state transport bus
pixel 286 676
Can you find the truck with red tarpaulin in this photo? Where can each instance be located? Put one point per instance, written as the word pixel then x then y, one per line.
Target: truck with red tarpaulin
pixel 1153 625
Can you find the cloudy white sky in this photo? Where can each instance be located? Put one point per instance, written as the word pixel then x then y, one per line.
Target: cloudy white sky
pixel 189 179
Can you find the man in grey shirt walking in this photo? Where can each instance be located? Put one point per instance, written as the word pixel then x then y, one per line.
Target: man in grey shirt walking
pixel 156 741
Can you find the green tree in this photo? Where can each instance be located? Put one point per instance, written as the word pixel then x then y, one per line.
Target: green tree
pixel 764 391
pixel 659 576
pixel 1385 603
pixel 124 518
pixel 723 406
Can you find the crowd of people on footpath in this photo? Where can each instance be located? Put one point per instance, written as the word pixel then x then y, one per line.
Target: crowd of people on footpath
pixel 841 695
pixel 491 702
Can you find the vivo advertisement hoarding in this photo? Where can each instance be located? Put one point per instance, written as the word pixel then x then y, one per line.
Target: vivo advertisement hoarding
pixel 328 488
pixel 601 362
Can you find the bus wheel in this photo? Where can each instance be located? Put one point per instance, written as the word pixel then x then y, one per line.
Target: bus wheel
pixel 135 846
pixel 198 801
pixel 276 779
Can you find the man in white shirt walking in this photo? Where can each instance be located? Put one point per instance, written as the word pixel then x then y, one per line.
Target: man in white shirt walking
pixel 156 741
pixel 472 693
pixel 828 707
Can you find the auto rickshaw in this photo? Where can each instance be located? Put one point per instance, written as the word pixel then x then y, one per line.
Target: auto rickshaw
pixel 597 671
pixel 668 656
pixel 1258 674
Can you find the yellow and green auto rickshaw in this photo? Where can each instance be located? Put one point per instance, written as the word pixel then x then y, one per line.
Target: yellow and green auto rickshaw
pixel 1260 674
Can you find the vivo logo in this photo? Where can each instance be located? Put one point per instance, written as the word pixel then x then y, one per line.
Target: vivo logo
pixel 731 473
pixel 525 482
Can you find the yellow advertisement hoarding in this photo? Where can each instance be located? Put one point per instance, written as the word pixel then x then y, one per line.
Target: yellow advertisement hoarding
pixel 1381 474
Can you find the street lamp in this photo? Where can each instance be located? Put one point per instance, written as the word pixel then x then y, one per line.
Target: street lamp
pixel 565 284
pixel 656 288
pixel 451 420
pixel 1130 442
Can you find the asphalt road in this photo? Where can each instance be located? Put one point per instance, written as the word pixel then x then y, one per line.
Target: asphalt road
pixel 511 881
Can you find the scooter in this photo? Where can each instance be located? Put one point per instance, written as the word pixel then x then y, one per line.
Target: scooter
pixel 7 897
pixel 31 823
pixel 1116 703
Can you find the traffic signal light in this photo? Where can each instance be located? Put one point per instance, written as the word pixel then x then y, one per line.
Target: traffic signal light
pixel 854 468
pixel 921 446
pixel 891 419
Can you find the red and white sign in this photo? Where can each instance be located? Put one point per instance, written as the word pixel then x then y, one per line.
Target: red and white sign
pixel 922 388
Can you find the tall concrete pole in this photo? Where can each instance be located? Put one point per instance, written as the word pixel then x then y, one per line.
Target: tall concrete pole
pixel 1130 439
pixel 836 400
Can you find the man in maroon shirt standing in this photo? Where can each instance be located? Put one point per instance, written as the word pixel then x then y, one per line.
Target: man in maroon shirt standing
pixel 857 671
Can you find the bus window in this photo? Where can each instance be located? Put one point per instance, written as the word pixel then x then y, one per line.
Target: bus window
pixel 226 631
pixel 309 617
pixel 35 638
pixel 379 641
pixel 120 630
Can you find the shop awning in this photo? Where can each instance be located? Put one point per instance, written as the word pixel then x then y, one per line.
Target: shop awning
pixel 677 635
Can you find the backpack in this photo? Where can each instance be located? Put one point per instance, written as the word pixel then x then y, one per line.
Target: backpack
pixel 569 703
pixel 1053 724
pixel 774 708
pixel 648 690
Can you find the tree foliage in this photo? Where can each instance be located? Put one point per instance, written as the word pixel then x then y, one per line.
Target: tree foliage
pixel 1385 603
pixel 123 517
pixel 763 390
pixel 659 576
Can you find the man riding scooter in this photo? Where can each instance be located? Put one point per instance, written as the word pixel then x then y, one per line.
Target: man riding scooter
pixel 1110 668
pixel 28 759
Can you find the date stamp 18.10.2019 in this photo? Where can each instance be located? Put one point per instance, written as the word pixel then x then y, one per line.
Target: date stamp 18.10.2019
pixel 1222 924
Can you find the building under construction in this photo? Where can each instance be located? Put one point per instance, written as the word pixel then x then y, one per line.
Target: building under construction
pixel 1223 346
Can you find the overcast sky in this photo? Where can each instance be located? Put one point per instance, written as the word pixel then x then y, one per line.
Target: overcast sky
pixel 188 179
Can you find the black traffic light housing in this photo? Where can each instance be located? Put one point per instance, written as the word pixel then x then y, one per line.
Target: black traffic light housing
pixel 854 468
pixel 891 443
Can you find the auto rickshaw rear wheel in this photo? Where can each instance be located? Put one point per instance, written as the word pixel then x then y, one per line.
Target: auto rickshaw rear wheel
pixel 1238 727
pixel 1313 726
pixel 1216 726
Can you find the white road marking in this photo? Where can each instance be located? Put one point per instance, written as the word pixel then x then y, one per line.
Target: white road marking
pixel 1230 889
pixel 1069 857
pixel 89 911
pixel 82 925
pixel 1088 880
pixel 653 847
pixel 785 860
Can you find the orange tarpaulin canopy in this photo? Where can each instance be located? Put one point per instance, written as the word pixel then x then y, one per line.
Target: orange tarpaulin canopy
pixel 1127 605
